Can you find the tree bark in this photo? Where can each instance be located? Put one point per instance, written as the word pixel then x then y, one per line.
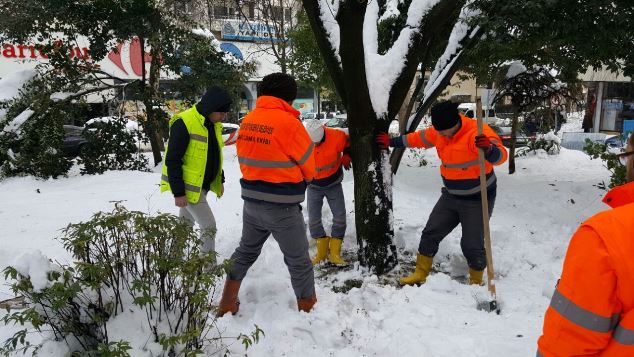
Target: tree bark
pixel 372 176
pixel 513 140
pixel 148 125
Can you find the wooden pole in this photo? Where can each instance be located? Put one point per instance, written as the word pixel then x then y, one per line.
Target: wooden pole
pixel 485 208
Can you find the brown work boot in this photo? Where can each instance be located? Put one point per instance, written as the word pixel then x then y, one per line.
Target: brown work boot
pixel 229 301
pixel 306 304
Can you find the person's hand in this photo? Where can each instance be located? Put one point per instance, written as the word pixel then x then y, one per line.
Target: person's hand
pixel 383 139
pixel 346 161
pixel 483 142
pixel 180 201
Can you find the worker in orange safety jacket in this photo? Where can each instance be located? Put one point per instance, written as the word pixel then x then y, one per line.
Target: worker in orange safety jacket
pixel 276 160
pixel 332 153
pixel 591 312
pixel 457 142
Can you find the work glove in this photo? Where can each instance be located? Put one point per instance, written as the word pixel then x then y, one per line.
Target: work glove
pixel 383 139
pixel 346 161
pixel 483 142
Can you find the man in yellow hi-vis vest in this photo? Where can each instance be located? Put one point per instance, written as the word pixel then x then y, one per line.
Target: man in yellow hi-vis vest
pixel 193 160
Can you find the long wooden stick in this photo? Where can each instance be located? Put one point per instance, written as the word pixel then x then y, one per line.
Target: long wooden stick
pixel 485 206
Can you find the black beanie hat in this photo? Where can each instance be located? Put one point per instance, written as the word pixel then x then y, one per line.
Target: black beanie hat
pixel 444 115
pixel 215 99
pixel 279 85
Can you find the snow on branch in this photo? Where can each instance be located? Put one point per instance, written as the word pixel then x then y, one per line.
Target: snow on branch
pixel 227 57
pixel 382 71
pixel 445 63
pixel 15 125
pixel 328 10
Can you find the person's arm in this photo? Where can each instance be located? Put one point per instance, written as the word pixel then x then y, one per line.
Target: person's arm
pixel 419 139
pixel 583 311
pixel 176 147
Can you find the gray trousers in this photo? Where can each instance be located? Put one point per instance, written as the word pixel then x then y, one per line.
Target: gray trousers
pixel 286 224
pixel 201 213
pixel 446 215
pixel 315 200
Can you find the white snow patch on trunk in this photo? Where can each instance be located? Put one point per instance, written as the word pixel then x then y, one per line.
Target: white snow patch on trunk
pixel 327 13
pixel 459 32
pixel 382 71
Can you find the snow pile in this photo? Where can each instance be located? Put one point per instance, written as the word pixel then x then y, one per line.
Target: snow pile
pixel 383 70
pixel 36 266
pixel 574 122
pixel 15 125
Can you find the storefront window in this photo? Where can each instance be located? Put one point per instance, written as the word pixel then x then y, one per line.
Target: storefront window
pixel 617 106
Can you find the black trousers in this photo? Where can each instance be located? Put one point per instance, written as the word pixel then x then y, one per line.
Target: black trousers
pixel 450 211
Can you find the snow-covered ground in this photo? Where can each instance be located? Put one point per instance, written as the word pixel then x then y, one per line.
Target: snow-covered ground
pixel 537 210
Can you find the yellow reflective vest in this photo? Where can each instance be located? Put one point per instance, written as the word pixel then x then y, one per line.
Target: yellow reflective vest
pixel 195 158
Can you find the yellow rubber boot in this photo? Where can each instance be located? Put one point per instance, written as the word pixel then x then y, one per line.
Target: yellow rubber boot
pixel 322 250
pixel 423 267
pixel 335 252
pixel 475 276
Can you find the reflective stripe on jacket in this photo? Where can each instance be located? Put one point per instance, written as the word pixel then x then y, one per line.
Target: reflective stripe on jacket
pixel 328 157
pixel 275 153
pixel 460 170
pixel 195 158
pixel 592 309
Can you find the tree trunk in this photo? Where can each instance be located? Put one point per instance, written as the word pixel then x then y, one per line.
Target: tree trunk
pixel 148 125
pixel 371 168
pixel 513 141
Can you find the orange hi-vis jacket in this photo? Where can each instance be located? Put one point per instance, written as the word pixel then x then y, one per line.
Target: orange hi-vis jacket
pixel 328 157
pixel 592 309
pixel 275 153
pixel 460 168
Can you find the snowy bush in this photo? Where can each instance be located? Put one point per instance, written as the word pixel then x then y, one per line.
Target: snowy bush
pixel 110 146
pixel 32 134
pixel 549 143
pixel 140 286
pixel 611 161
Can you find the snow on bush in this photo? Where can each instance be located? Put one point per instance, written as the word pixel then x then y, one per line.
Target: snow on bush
pixel 140 286
pixel 36 267
pixel 544 144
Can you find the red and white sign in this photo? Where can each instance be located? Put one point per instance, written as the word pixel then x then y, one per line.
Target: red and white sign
pixel 124 62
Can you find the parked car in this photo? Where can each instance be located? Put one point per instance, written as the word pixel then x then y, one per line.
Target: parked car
pixel 324 117
pixel 230 133
pixel 339 121
pixel 504 132
pixel 74 140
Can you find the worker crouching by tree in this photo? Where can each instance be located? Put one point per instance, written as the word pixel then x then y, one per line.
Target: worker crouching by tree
pixel 276 160
pixel 332 153
pixel 457 142
pixel 592 309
